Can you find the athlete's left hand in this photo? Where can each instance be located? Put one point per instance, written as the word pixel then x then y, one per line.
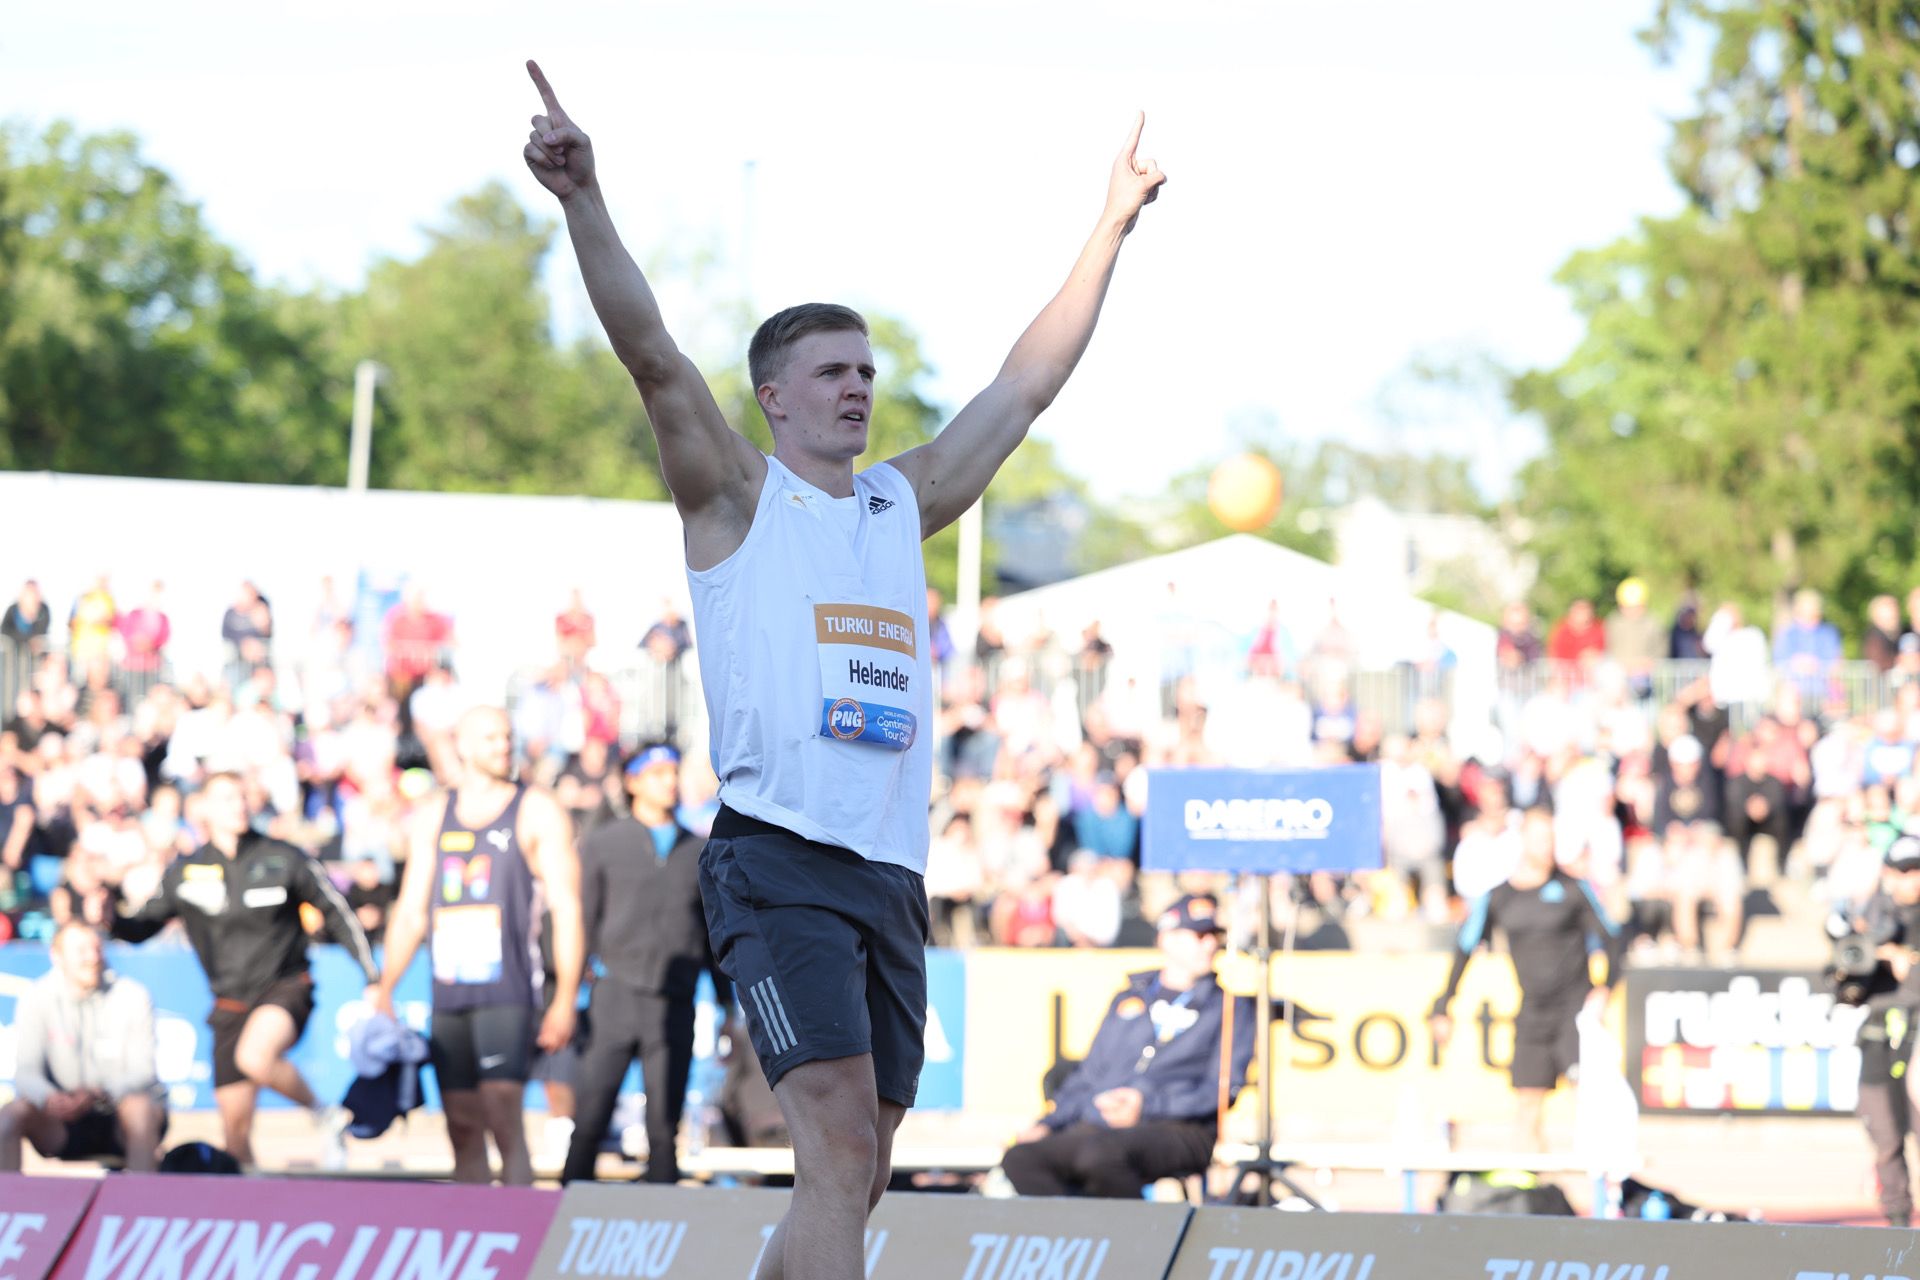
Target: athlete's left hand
pixel 1135 182
pixel 556 1028
pixel 1120 1108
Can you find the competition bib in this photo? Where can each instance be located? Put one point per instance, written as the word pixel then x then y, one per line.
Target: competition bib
pixel 466 944
pixel 868 663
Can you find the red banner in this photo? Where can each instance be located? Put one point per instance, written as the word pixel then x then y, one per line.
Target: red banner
pixel 260 1229
pixel 37 1217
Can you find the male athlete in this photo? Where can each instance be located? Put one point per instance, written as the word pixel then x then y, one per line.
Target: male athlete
pixel 810 598
pixel 239 896
pixel 478 871
pixel 1559 936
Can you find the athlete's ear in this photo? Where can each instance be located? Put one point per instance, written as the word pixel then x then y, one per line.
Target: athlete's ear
pixel 768 394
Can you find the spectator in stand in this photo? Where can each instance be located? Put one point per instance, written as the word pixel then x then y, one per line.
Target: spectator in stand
pixel 416 638
pixel 247 630
pixel 1635 639
pixel 1757 806
pixel 939 634
pixel 90 625
pixel 1329 663
pixel 1807 649
pixel 1517 646
pixel 85 1064
pixel 1086 902
pixel 1740 672
pixel 1577 639
pixel 669 637
pixel 1881 643
pixel 1090 663
pixel 23 639
pixel 434 709
pixel 589 788
pixel 989 645
pixel 573 632
pixel 1890 753
pixel 1270 653
pixel 1410 819
pixel 599 709
pixel 145 632
pixel 1685 642
pixel 1335 721
pixel 29 723
pixel 1489 847
pixel 1704 870
pixel 1103 825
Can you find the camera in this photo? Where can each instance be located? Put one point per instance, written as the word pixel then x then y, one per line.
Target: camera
pixel 1852 968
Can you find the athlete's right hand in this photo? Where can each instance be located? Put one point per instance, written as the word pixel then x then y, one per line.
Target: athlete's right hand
pixel 557 151
pixel 379 999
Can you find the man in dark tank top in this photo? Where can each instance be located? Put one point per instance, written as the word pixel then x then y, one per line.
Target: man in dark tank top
pixel 480 871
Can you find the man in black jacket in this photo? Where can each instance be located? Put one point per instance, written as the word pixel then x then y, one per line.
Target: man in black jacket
pixel 1890 920
pixel 640 896
pixel 1141 1105
pixel 239 896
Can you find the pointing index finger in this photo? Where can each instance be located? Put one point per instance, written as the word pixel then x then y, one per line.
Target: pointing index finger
pixel 1133 139
pixel 546 92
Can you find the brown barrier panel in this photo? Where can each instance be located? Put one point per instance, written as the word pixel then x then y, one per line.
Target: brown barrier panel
pixel 148 1226
pixel 37 1217
pixel 674 1232
pixel 1253 1244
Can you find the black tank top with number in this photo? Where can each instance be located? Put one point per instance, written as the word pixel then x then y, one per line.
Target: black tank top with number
pixel 482 924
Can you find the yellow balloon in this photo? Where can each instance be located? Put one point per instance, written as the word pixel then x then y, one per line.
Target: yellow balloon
pixel 1244 492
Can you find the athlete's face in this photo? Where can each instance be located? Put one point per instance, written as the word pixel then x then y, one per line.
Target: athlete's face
pixel 1536 843
pixel 224 807
pixel 486 743
pixel 822 401
pixel 657 785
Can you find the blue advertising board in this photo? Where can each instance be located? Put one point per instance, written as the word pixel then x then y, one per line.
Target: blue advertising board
pixel 1263 821
pixel 169 971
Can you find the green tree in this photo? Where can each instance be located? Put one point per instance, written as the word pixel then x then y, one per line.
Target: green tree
pixel 134 343
pixel 478 397
pixel 1743 412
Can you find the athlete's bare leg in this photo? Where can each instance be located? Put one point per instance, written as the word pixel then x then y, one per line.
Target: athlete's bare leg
pixel 503 1103
pixel 467 1132
pixel 843 1159
pixel 1529 1118
pixel 261 1054
pixel 235 1103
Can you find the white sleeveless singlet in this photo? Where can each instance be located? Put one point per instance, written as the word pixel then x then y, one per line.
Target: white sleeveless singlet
pixel 812 639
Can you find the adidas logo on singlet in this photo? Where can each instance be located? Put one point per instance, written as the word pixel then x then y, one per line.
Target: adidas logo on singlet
pixel 877 504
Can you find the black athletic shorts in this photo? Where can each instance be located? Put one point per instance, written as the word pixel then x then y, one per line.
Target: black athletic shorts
pixel 492 1042
pixel 229 1019
pixel 1546 1047
pixel 828 950
pixel 96 1134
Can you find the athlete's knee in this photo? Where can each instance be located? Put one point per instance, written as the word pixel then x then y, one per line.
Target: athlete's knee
pixel 255 1061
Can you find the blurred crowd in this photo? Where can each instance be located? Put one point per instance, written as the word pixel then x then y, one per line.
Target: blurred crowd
pixel 337 732
pixel 1687 756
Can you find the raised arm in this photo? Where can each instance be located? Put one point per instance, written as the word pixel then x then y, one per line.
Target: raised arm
pixel 714 473
pixel 951 472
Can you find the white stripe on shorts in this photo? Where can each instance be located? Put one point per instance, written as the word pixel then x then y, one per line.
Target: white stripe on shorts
pixel 772 1016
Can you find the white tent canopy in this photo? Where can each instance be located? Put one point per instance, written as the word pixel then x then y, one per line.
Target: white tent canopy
pixel 1209 602
pixel 500 564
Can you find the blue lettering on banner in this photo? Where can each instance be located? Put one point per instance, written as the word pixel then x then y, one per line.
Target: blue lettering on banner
pixel 851 720
pixel 1263 820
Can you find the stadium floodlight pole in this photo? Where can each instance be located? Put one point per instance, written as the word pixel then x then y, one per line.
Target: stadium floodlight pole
pixel 366 375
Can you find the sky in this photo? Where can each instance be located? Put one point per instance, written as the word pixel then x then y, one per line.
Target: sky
pixel 1352 188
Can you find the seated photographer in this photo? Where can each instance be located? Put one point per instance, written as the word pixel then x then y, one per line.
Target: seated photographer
pixel 1875 965
pixel 1142 1105
pixel 86 1076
